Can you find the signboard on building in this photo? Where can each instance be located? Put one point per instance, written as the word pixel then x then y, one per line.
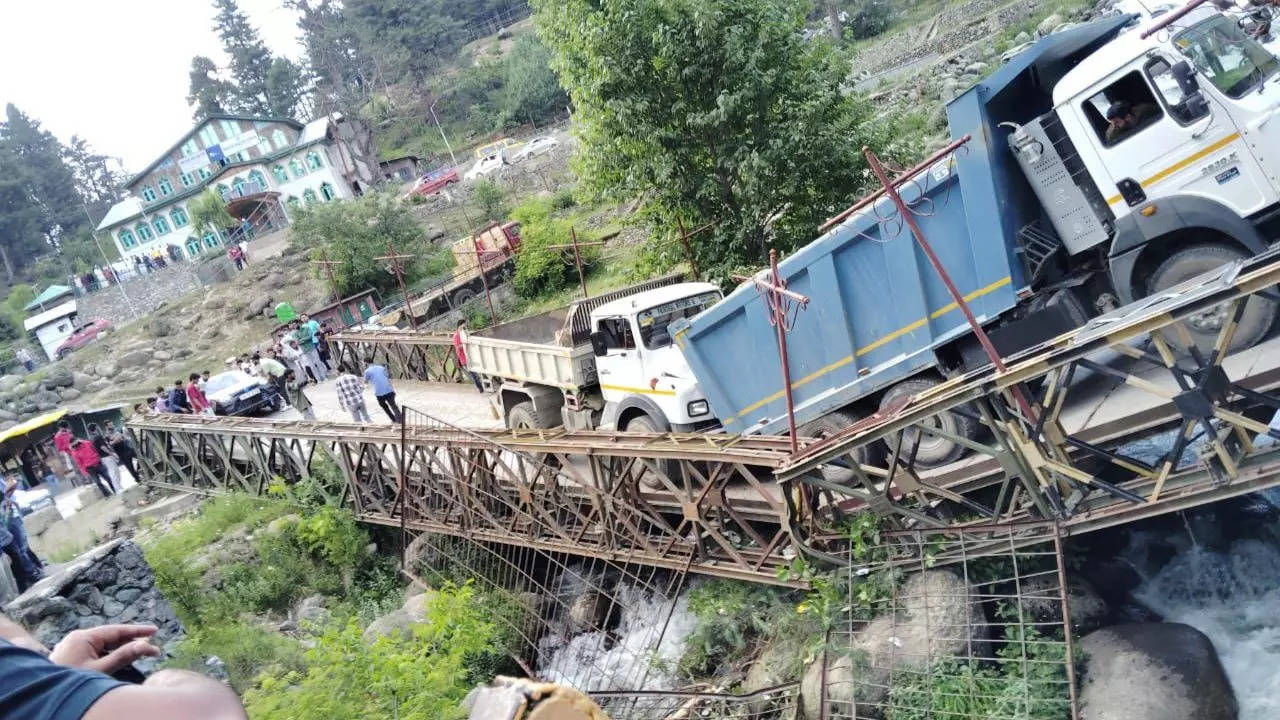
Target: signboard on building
pixel 239 142
pixel 192 163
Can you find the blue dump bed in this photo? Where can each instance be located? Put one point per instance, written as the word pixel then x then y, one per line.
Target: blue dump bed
pixel 876 307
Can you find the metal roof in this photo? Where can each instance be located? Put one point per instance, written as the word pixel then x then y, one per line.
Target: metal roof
pixel 196 128
pixel 121 211
pixel 48 316
pixel 51 293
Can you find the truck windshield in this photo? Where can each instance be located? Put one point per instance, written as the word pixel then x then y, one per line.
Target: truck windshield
pixel 654 321
pixel 1232 61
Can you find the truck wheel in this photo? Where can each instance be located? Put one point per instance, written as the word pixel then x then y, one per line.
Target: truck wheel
pixel 830 424
pixel 1205 326
pixel 524 417
pixel 462 297
pixel 934 451
pixel 670 468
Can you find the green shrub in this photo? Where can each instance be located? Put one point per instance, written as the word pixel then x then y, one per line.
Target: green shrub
pixel 490 199
pixel 420 677
pixel 246 650
pixel 540 268
pixel 733 619
pixel 563 199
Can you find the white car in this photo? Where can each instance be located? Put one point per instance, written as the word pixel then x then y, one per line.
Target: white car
pixel 239 393
pixel 537 146
pixel 486 165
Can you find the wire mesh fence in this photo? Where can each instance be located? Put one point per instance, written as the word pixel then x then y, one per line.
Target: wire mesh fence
pixel 951 626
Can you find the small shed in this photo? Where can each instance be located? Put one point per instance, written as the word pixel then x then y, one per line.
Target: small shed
pixel 49 298
pixel 400 169
pixel 53 326
pixel 347 311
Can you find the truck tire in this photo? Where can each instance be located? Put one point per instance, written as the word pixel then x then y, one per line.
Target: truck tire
pixel 462 297
pixel 934 451
pixel 830 424
pixel 525 417
pixel 670 468
pixel 1205 326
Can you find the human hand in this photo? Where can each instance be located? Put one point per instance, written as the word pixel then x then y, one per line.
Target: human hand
pixel 105 649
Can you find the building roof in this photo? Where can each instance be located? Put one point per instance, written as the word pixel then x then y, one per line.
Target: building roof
pixel 48 316
pixel 127 208
pixel 314 130
pixel 51 293
pixel 196 128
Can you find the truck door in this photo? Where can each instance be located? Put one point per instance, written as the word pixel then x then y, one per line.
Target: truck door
pixel 620 369
pixel 1239 73
pixel 1152 144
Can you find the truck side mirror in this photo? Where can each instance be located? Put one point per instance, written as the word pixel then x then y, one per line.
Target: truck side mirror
pixel 599 343
pixel 1186 77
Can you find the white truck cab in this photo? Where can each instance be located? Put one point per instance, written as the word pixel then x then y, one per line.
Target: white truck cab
pixel 1160 158
pixel 644 379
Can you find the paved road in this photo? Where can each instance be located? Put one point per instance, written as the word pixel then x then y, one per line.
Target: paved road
pixel 452 402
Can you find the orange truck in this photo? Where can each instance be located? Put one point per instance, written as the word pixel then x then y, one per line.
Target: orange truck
pixel 488 256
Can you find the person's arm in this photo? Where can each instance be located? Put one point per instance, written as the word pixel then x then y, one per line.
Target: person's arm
pixel 169 694
pixel 18 635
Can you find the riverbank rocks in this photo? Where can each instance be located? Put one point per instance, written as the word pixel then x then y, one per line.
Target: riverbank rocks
pixel 939 616
pixel 400 620
pixel 58 377
pixel 1041 598
pixel 1153 671
pixel 109 584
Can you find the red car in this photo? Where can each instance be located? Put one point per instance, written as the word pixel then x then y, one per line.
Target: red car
pixel 83 335
pixel 434 181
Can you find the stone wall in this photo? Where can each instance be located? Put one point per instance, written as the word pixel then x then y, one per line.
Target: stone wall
pixel 110 584
pixel 145 291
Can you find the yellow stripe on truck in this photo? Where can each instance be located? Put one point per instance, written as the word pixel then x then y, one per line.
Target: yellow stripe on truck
pixel 1181 164
pixel 872 346
pixel 642 391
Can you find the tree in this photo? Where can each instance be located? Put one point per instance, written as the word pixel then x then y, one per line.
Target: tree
pixel 250 59
pixel 716 110
pixel 354 232
pixel 205 90
pixel 286 85
pixel 209 213
pixel 99 186
pixel 414 37
pixel 530 90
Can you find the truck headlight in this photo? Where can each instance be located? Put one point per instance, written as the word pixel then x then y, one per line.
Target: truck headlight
pixel 698 407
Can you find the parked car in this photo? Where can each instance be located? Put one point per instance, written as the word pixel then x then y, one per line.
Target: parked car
pixel 434 181
pixel 82 336
pixel 485 165
pixel 238 393
pixel 29 501
pixel 537 146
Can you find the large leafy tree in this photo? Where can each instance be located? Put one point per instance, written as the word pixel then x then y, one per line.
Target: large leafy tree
pixel 716 110
pixel 530 90
pixel 413 36
pixel 207 92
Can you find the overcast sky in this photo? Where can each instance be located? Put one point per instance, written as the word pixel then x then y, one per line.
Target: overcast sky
pixel 115 71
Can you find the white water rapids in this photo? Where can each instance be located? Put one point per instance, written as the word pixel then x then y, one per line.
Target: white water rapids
pixel 1231 596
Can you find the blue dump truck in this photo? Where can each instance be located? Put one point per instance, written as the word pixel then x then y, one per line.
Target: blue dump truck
pixel 1104 164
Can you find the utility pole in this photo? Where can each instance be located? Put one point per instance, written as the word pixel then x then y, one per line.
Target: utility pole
pixel 328 264
pixel 783 306
pixel 475 245
pixel 114 275
pixel 577 255
pixel 448 147
pixel 395 265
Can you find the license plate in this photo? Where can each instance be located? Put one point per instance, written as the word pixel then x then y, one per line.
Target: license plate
pixel 250 393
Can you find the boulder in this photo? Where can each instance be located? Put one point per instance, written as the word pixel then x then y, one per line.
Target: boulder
pixel 589 612
pixel 161 326
pixel 256 306
pixel 1041 598
pixel 1153 671
pixel 311 610
pixel 9 382
pixel 938 616
pixel 132 358
pixel 434 232
pixel 46 406
pixel 416 606
pixel 7 415
pixel 275 280
pixel 1049 24
pixel 976 68
pixel 396 621
pixel 213 302
pixel 162 355
pixel 69 393
pixel 1022 38
pixel 282 524
pixel 59 377
pixel 82 379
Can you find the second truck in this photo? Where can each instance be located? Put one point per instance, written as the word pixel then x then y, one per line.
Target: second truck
pixel 1105 164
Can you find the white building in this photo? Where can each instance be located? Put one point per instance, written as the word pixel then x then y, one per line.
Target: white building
pixel 262 167
pixel 53 326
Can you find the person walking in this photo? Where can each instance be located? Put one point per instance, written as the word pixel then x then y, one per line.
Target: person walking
pixel 177 398
pixel 382 391
pixel 110 462
pixel 294 388
pixel 90 464
pixel 196 397
pixel 26 566
pixel 306 335
pixel 351 397
pixel 24 356
pixel 237 257
pixel 62 441
pixel 322 345
pixel 123 450
pixel 292 355
pixel 460 337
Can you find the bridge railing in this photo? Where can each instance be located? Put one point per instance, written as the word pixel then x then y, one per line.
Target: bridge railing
pixel 407 354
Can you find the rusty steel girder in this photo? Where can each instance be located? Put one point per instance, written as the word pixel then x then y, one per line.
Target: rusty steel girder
pixel 696 502
pixel 1179 432
pixel 407 354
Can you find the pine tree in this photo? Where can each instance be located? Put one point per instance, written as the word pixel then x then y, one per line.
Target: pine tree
pixel 205 90
pixel 286 86
pixel 250 59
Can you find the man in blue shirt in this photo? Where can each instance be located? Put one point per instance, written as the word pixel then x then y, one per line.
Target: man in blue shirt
pixel 71 682
pixel 386 395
